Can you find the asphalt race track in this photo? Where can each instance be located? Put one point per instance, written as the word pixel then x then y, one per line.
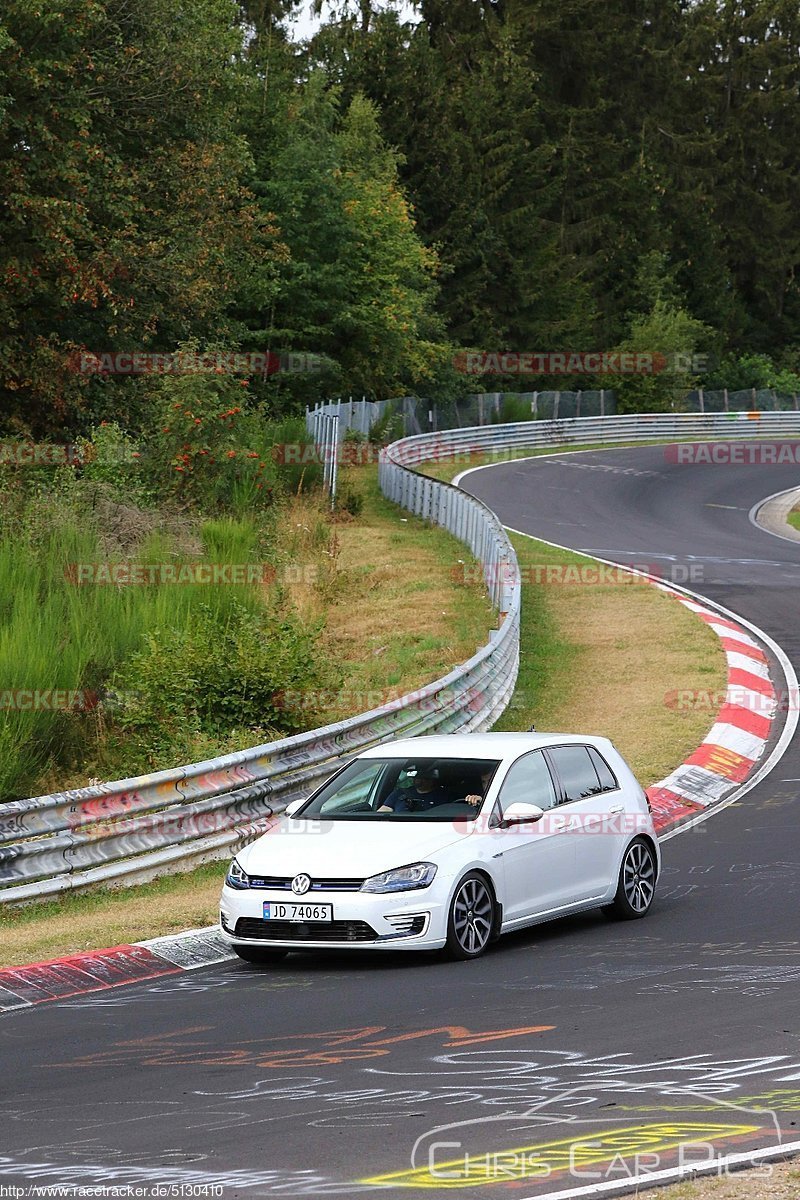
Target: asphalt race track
pixel 572 1055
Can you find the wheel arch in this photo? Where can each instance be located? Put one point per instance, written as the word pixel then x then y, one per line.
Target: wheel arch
pixel 479 868
pixel 652 842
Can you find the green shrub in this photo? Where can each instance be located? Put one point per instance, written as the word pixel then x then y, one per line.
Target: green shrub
pixel 350 501
pixel 203 677
pixel 110 456
pixel 201 448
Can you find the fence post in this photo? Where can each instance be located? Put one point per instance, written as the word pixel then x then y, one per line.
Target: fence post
pixel 725 398
pixel 327 452
pixel 702 401
pixel 555 405
pixel 334 457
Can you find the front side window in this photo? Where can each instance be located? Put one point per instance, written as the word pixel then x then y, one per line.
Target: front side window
pixel 528 782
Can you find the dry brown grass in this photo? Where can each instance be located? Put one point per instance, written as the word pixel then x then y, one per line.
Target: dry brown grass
pixel 394 617
pixel 634 647
pixel 604 658
pixel 778 1182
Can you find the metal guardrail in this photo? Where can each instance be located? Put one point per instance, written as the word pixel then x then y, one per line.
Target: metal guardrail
pixel 137 828
pixel 586 431
pixel 169 820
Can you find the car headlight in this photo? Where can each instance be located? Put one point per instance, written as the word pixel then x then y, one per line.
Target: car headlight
pixel 402 879
pixel 236 877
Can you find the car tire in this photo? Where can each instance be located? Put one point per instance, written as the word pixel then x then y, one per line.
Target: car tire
pixel 257 954
pixel 637 883
pixel 472 918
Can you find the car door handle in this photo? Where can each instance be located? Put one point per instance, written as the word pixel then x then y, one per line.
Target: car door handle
pixel 618 808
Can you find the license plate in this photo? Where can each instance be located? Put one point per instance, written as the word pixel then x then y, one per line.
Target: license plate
pixel 279 911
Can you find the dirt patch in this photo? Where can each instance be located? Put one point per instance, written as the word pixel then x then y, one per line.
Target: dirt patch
pixel 124 527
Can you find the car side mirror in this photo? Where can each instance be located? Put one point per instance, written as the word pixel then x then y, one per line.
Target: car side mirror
pixel 292 807
pixel 522 814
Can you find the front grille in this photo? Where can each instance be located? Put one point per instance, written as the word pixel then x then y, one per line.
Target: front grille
pixel 280 883
pixel 305 931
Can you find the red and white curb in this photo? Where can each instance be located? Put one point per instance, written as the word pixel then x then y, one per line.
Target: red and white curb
pixel 739 736
pixel 98 970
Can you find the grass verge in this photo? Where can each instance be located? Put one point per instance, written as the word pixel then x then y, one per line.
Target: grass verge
pixel 92 920
pixel 781 1183
pixel 395 616
pixel 610 658
pixel 794 519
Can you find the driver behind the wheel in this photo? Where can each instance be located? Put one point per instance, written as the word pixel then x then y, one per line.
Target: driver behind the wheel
pixel 475 798
pixel 425 792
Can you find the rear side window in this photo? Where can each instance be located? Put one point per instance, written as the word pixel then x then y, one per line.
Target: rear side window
pixel 575 771
pixel 608 781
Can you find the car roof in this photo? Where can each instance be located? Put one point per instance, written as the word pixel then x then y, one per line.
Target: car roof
pixel 478 745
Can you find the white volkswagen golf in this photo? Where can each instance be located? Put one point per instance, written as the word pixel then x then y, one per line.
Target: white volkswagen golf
pixel 446 841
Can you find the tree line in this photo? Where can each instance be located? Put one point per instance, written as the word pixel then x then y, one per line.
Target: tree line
pixel 528 175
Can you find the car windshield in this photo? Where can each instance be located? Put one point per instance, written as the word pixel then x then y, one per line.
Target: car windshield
pixel 404 789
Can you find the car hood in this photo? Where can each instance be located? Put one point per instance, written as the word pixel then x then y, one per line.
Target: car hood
pixel 345 849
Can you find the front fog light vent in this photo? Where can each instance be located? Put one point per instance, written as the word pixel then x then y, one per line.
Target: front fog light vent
pixel 407 924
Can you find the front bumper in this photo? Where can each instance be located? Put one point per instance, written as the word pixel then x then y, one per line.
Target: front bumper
pixel 361 921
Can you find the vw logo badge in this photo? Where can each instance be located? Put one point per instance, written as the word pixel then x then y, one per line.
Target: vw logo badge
pixel 300 885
